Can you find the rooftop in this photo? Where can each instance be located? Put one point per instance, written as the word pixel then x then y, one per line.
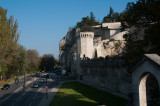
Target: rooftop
pixel 110 25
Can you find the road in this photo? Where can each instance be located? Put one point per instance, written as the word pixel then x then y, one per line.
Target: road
pixel 15 96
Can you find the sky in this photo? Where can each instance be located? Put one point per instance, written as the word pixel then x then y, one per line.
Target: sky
pixel 43 23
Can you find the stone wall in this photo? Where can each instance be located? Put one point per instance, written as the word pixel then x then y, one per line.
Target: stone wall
pixel 107 73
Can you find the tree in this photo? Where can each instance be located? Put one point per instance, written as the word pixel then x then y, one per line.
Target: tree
pixel 112 16
pixel 95 54
pixel 8 37
pixel 87 23
pixel 92 17
pixel 19 62
pixel 47 62
pixel 33 59
pixel 118 46
pixel 142 13
pixel 8 41
pixel 111 12
pixel 144 17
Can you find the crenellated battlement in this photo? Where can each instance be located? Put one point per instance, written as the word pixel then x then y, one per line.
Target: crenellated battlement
pixel 85 44
pixel 85 34
pixel 102 63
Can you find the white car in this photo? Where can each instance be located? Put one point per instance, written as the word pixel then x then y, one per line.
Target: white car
pixel 35 85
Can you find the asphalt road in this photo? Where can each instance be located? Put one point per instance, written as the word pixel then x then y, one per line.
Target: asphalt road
pixel 15 96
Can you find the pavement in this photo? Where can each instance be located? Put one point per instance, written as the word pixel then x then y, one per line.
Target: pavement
pixel 46 101
pixel 33 96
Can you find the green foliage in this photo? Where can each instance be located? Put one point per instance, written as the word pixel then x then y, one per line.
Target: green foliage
pixel 33 60
pixel 100 58
pixel 118 46
pixel 8 43
pixel 47 62
pixel 103 38
pixel 57 64
pixel 112 16
pixel 8 38
pixel 95 54
pixel 87 23
pixel 143 14
pixel 152 38
pixel 19 62
pixel 63 48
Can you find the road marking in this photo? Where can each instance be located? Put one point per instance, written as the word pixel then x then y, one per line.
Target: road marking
pixel 18 89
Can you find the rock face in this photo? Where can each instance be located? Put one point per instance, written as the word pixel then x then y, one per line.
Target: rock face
pixel 67 49
pixel 107 40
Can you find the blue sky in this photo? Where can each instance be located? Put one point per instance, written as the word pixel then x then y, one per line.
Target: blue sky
pixel 43 23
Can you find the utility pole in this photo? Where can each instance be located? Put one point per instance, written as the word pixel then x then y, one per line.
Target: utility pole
pixel 24 88
pixel 46 87
pixel 57 79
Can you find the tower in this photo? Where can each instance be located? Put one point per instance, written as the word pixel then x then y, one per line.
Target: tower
pixel 85 44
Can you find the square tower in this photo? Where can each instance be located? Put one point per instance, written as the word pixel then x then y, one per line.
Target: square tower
pixel 85 44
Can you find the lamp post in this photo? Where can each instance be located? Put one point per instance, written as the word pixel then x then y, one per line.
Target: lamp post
pixel 57 79
pixel 0 72
pixel 46 87
pixel 24 87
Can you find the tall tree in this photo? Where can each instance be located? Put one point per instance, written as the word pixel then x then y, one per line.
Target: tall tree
pixel 143 17
pixel 92 17
pixel 20 62
pixel 47 62
pixel 8 40
pixel 111 12
pixel 87 23
pixel 112 16
pixel 33 59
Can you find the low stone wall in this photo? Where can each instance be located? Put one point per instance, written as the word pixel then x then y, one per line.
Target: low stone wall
pixel 107 73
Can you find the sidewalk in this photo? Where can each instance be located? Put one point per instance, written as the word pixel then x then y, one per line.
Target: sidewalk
pixel 51 94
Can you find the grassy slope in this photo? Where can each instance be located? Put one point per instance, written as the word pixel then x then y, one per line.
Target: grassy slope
pixel 77 94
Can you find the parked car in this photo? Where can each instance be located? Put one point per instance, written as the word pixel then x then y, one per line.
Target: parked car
pixel 5 87
pixel 41 80
pixel 35 85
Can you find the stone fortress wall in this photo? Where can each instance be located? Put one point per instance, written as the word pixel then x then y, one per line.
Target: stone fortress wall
pixel 107 73
pixel 79 54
